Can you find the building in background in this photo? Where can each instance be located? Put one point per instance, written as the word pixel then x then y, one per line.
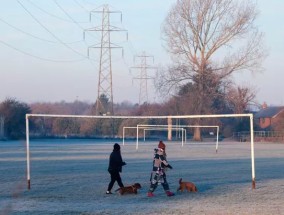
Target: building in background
pixel 268 117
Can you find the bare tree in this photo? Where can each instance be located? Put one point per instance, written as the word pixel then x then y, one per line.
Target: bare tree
pixel 240 98
pixel 209 40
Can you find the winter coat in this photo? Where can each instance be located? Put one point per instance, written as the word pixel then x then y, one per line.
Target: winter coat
pixel 160 160
pixel 115 161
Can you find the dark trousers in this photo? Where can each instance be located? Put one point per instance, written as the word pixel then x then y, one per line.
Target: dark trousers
pixel 156 178
pixel 115 176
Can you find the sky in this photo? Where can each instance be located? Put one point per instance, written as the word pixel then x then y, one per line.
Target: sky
pixel 44 54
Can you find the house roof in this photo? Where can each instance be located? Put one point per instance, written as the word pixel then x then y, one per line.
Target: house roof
pixel 269 112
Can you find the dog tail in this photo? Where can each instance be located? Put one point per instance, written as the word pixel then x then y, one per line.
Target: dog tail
pixel 180 180
pixel 196 189
pixel 117 190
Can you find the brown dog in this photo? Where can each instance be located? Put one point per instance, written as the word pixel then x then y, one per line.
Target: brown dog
pixel 129 189
pixel 189 186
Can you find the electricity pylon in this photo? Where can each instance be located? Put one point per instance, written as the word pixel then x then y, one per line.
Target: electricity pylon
pixel 104 102
pixel 143 94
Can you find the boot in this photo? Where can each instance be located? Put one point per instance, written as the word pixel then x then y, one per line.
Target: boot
pixel 150 194
pixel 169 193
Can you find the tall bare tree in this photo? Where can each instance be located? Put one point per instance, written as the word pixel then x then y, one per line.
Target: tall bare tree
pixel 240 98
pixel 209 40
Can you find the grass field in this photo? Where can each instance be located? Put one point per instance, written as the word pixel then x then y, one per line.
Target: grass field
pixel 70 177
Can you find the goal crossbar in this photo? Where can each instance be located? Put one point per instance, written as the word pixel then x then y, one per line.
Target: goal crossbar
pixel 183 139
pixel 249 115
pixel 181 126
pixel 166 129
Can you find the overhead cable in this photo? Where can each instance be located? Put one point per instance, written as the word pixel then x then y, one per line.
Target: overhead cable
pixel 38 57
pixel 34 36
pixel 67 14
pixel 50 14
pixel 64 44
pixel 80 5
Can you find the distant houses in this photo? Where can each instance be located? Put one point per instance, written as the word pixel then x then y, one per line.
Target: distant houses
pixel 271 123
pixel 268 117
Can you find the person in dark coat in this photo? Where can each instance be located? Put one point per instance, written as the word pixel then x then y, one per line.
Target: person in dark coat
pixel 115 167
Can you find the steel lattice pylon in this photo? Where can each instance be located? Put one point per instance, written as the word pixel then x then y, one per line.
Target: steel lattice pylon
pixel 143 93
pixel 104 102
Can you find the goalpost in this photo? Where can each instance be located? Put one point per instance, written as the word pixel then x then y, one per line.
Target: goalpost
pixel 250 115
pixel 183 138
pixel 183 130
pixel 180 126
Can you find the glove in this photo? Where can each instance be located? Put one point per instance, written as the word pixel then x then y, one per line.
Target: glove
pixel 169 166
pixel 123 163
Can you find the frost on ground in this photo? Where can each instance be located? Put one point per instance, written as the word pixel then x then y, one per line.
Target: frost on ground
pixel 70 177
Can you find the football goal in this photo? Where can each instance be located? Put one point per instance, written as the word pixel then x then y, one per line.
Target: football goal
pixel 183 132
pixel 137 118
pixel 183 138
pixel 171 127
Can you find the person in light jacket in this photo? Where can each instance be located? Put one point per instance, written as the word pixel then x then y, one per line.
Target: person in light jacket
pixel 158 175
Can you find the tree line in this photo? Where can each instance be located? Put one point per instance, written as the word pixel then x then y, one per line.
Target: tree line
pixel 13 112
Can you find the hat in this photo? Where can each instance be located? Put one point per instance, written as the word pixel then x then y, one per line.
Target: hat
pixel 161 145
pixel 116 147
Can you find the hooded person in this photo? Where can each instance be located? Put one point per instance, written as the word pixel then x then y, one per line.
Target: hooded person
pixel 115 167
pixel 158 174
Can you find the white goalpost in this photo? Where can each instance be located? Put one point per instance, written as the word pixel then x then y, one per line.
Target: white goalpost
pixel 249 115
pixel 183 138
pixel 181 126
pixel 183 130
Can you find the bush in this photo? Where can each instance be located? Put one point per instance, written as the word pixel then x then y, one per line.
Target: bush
pixel 14 113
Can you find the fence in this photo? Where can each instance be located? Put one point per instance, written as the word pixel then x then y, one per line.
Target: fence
pixel 260 136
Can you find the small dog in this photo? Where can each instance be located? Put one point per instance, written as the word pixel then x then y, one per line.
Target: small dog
pixel 189 186
pixel 129 189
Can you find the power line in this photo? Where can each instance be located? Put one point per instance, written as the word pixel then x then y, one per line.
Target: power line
pixel 64 44
pixel 70 17
pixel 48 13
pixel 80 5
pixel 38 57
pixel 36 37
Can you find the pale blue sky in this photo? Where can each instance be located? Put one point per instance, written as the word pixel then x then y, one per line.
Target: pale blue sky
pixel 36 37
